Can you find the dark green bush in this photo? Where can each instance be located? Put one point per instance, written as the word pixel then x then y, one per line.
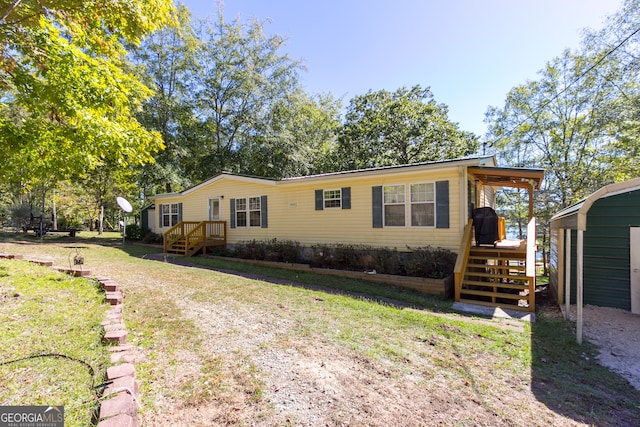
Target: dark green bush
pixel 436 263
pixel 135 232
pixel 426 261
pixel 390 261
pixel 151 238
pixel 270 250
pixel 322 256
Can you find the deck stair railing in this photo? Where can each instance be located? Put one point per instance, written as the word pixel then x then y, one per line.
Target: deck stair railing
pixel 496 277
pixel 189 237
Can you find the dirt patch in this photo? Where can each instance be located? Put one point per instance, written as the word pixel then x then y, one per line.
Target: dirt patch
pixel 311 383
pixel 617 334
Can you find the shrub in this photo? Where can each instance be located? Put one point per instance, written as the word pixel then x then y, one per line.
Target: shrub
pixel 271 250
pixel 426 261
pixel 436 263
pixel 135 232
pixel 322 256
pixel 21 215
pixel 389 261
pixel 151 238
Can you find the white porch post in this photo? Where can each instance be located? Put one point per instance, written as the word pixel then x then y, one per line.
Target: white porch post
pixel 567 275
pixel 530 189
pixel 579 285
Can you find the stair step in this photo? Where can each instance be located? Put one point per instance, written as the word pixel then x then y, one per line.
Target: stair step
pixel 493 294
pixel 500 267
pixel 498 250
pixel 495 285
pixel 497 258
pixel 496 276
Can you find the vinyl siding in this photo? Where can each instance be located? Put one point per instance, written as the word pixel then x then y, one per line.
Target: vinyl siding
pixel 487 197
pixel 293 216
pixel 556 264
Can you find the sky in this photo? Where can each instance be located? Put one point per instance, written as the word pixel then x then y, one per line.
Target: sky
pixel 470 53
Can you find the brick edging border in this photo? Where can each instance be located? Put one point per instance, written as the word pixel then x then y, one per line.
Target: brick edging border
pixel 119 401
pixel 119 407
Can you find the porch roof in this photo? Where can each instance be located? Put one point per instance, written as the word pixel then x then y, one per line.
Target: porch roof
pixel 508 177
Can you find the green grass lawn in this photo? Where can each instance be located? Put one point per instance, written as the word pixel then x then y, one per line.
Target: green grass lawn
pixel 51 352
pixel 203 336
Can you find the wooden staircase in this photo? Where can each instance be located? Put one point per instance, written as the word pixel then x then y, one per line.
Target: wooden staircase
pixel 496 277
pixel 188 238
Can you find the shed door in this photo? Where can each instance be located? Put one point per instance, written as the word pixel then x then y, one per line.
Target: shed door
pixel 634 236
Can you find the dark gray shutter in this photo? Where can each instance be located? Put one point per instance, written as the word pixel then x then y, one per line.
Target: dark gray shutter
pixel 346 197
pixel 160 224
pixel 179 212
pixel 263 212
pixel 442 204
pixel 232 215
pixel 144 219
pixel 319 200
pixel 376 202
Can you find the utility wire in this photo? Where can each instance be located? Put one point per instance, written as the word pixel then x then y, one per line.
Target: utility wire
pixel 574 81
pixel 56 355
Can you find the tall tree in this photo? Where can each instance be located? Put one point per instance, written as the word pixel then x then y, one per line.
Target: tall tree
pixel 616 49
pixel 166 62
pixel 67 97
pixel 298 138
pixel 580 120
pixel 241 75
pixel 406 126
pixel 568 123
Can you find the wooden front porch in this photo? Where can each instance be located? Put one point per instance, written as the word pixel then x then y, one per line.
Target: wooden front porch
pixel 500 276
pixel 190 237
pixel 503 274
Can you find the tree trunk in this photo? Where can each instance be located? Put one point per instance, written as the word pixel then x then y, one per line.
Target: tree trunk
pixel 101 220
pixel 54 214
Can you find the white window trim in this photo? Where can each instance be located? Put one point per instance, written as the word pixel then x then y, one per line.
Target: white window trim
pixel 248 210
pixel 435 211
pixel 407 206
pixel 384 204
pixel 325 200
pixel 170 214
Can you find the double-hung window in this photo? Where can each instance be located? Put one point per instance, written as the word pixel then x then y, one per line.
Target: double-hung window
pixel 170 214
pixel 254 212
pixel 241 212
pixel 332 199
pixel 248 212
pixel 394 206
pixel 423 205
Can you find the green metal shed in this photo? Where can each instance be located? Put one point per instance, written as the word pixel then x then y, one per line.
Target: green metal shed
pixel 602 265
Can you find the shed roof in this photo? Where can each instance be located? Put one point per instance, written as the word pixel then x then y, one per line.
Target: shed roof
pixel 574 217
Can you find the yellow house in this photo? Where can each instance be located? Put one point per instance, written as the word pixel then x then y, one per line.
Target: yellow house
pixel 402 206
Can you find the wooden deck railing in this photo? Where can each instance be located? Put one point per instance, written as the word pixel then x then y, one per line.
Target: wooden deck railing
pixel 462 259
pixel 501 276
pixel 190 234
pixel 171 236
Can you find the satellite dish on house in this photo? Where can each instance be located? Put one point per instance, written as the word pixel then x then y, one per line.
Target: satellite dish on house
pixel 124 204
